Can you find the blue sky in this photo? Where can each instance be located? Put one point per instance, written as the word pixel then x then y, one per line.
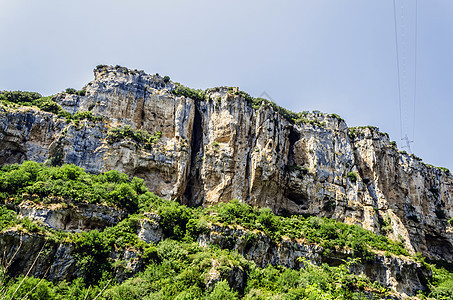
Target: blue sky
pixel 328 55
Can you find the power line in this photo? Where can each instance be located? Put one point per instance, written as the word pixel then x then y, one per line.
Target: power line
pixel 402 75
pixel 398 68
pixel 415 67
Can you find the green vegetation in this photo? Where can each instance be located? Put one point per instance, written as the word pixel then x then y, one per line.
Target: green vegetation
pixel 198 95
pixel 18 98
pixel 177 267
pixel 337 117
pixel 441 284
pixel 181 270
pixel 354 132
pixel 139 136
pixel 352 176
pixel 86 115
pixel 330 234
pixel 69 183
pixel 439 168
pixel 256 103
pixel 81 92
pixel 288 115
pixel 416 157
pixel 444 169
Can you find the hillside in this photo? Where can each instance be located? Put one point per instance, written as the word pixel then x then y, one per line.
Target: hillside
pixel 348 202
pixel 82 233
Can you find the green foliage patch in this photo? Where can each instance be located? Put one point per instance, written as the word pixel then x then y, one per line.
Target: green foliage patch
pixel 354 132
pixel 140 137
pixel 193 94
pixel 68 183
pixel 352 176
pixel 330 234
pixel 187 271
pixel 18 98
pixel 292 117
pixel 81 92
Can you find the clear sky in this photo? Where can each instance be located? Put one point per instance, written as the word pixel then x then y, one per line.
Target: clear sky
pixel 328 55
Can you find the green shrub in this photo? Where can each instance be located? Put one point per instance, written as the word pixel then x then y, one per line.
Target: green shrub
pixel 8 218
pixel 30 288
pixel 171 250
pixel 174 219
pixel 354 132
pixel 87 115
pixel 140 137
pixel 352 176
pixel 193 94
pixel 290 116
pixel 92 253
pixel 70 91
pixel 20 97
pixel 444 169
pixel 441 284
pixel 328 233
pixel 336 117
pixel 71 183
pixel 222 291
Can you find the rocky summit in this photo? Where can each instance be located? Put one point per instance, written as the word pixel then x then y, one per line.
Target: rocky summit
pixel 202 148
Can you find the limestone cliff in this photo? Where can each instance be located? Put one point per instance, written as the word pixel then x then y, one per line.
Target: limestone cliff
pixel 220 147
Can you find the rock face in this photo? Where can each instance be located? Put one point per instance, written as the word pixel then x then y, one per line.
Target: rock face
pixel 221 148
pixel 75 218
pixel 34 254
pixel 400 274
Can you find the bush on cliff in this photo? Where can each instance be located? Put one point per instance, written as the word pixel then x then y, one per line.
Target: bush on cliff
pixel 39 183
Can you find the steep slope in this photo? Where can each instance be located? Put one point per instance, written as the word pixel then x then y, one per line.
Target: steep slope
pixel 215 146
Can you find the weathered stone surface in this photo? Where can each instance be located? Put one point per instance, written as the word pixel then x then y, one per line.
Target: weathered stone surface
pixel 401 274
pixel 32 254
pixel 38 256
pixel 149 230
pixel 58 261
pixel 73 218
pixel 221 148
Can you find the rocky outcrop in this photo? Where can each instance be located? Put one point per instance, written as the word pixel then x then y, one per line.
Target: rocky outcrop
pixel 149 230
pixel 220 147
pixel 34 254
pixel 73 217
pixel 39 256
pixel 401 274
